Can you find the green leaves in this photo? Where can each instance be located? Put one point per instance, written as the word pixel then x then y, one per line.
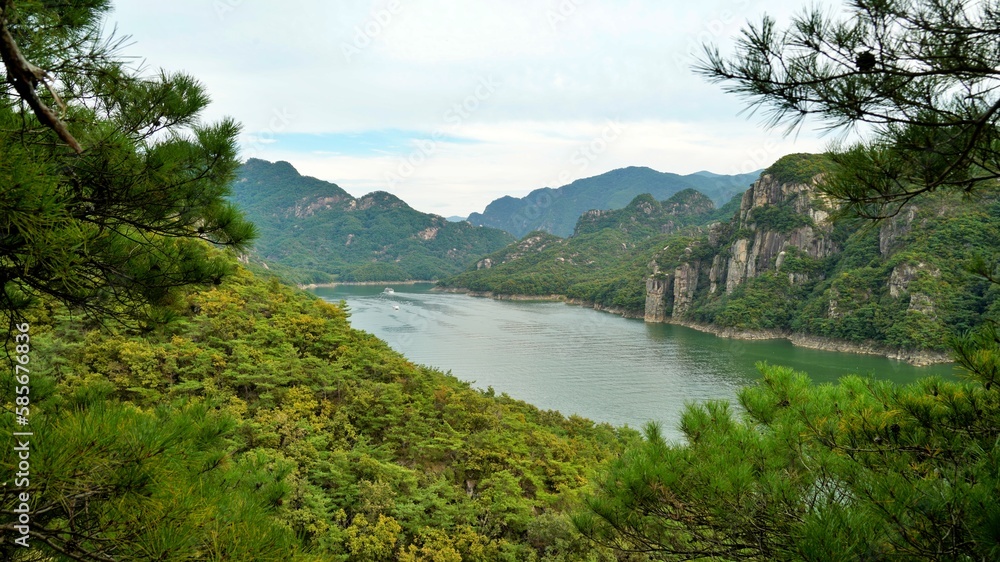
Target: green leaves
pixel 919 76
pixel 858 469
pixel 118 228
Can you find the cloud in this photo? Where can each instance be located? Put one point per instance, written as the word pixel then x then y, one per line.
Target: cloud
pixel 506 92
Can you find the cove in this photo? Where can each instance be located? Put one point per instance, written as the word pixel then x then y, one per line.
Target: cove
pixel 581 361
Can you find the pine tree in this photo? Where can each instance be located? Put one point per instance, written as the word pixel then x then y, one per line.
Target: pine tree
pixel 864 469
pixel 918 79
pixel 110 185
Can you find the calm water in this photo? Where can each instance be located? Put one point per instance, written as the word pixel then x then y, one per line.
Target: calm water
pixel 578 360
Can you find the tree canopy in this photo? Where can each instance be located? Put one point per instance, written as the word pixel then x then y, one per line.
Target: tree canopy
pixel 864 469
pixel 110 184
pixel 918 79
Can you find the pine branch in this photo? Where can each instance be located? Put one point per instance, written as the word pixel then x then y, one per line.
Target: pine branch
pixel 25 77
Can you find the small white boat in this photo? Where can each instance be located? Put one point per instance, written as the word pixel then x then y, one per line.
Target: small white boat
pixel 395 307
pixel 388 290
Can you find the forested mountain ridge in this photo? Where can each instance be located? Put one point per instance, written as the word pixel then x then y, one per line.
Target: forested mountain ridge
pixel 556 210
pixel 314 231
pixel 604 262
pixel 780 263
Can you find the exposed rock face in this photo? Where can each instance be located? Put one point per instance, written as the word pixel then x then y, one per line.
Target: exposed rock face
pixel 714 274
pixel 900 278
pixel 715 232
pixel 737 265
pixel 656 298
pixel 921 303
pixel 904 274
pixel 308 207
pixel 894 229
pixel 685 283
pixel 428 233
pixel 485 263
pixel 762 244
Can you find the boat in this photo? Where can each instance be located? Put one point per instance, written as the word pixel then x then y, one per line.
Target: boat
pixel 395 307
pixel 388 290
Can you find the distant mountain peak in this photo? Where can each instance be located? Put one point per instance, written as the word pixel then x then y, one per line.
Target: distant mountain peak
pixel 314 231
pixel 557 210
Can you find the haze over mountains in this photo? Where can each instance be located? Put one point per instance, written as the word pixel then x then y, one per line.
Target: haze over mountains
pixel 557 210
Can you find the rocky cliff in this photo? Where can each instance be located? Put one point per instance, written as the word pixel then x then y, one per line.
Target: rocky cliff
pixel 776 219
pixel 781 265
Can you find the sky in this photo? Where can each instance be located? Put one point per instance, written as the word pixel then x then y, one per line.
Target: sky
pixel 451 104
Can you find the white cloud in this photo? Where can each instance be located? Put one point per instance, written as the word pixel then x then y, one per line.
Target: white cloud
pixel 562 68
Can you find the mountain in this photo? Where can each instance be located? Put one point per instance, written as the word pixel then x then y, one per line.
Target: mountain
pixel 556 210
pixel 603 262
pixel 314 231
pixel 455 218
pixel 645 216
pixel 778 266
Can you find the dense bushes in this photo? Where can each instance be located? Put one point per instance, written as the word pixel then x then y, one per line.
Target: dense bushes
pixel 314 438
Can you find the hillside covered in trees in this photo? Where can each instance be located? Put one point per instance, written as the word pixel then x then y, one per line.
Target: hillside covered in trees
pixel 312 231
pixel 779 261
pixel 605 262
pixel 257 425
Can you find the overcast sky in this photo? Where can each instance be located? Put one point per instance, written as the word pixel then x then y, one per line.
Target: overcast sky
pixel 450 104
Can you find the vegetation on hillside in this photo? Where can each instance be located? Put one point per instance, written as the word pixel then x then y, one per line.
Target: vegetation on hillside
pixel 864 469
pixel 259 425
pixel 604 263
pixel 312 231
pixel 912 293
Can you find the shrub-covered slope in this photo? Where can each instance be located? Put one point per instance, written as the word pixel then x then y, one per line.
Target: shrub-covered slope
pixel 259 424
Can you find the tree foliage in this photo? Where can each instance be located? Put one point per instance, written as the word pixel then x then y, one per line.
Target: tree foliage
pixel 863 469
pixel 258 419
pixel 107 209
pixel 918 78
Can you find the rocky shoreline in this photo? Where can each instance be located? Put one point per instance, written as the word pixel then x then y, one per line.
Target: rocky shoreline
pixel 919 358
pixel 916 357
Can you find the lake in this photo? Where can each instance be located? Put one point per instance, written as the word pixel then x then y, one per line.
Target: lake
pixel 581 361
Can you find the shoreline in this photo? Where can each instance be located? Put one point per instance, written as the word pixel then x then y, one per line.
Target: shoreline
pixel 917 358
pixel 336 283
pixel 624 313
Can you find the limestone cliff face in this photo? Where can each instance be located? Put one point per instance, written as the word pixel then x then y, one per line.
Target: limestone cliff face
pixel 894 229
pixel 656 299
pixel 685 283
pixel 776 220
pixel 774 217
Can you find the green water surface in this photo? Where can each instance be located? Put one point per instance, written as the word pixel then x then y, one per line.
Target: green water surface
pixel 581 361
